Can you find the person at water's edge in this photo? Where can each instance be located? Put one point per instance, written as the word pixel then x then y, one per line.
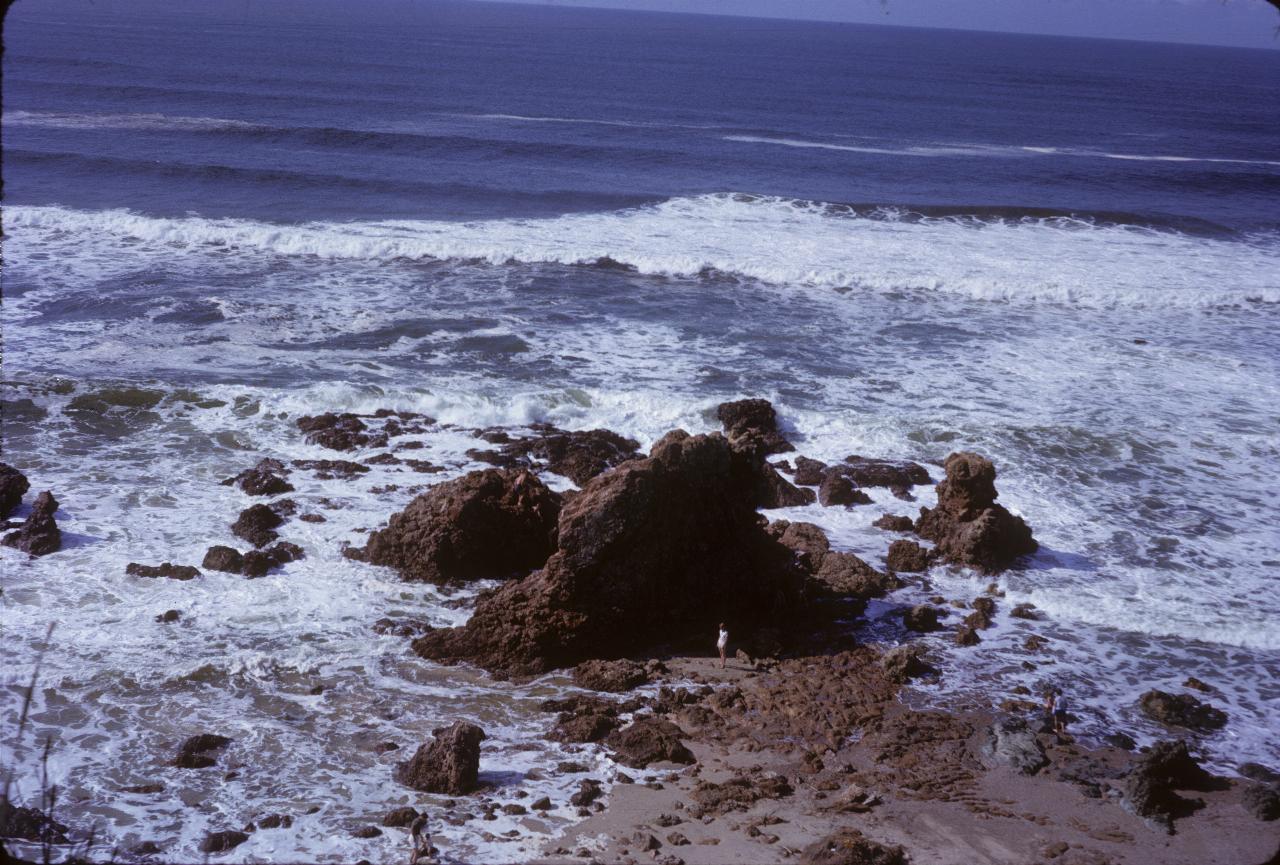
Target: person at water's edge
pixel 722 643
pixel 1055 708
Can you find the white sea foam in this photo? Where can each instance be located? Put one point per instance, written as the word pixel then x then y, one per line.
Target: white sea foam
pixel 80 120
pixel 776 241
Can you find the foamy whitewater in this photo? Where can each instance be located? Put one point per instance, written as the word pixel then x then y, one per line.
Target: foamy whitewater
pixel 193 261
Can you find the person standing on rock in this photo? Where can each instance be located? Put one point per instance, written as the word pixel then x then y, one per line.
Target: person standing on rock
pixel 1059 712
pixel 723 643
pixel 421 834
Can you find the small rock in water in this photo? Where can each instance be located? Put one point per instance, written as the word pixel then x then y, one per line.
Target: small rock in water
pixel 221 558
pixel 366 832
pixel 13 486
pixel 922 618
pixel 267 478
pixel 220 842
pixel 1193 682
pixel 256 525
pixel 907 557
pixel 194 752
pixel 837 489
pixel 448 764
pixel 893 523
pixel 166 570
pixel 967 636
pixel 39 534
pixel 275 821
pixel 543 804
pixel 1024 611
pixel 169 616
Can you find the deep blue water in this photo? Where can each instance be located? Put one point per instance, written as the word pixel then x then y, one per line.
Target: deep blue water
pixel 390 110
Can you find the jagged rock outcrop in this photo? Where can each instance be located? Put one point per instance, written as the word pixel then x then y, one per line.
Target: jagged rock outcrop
pixel 579 455
pixel 257 563
pixel 340 432
pixel 837 490
pixel 13 486
pixel 907 557
pixel 967 526
pixel 267 478
pixel 448 764
pixel 649 740
pixel 1182 710
pixel 488 524
pixel 39 534
pixel 654 550
pixel 752 424
pixel 222 558
pixel 899 477
pixel 616 676
pixel 831 570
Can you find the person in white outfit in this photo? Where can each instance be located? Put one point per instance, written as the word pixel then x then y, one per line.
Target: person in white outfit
pixel 723 643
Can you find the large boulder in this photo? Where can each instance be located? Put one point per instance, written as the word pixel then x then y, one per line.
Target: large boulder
pixel 579 455
pixel 1148 790
pixel 222 558
pixel 13 486
pixel 657 549
pixel 448 764
pixel 907 557
pixel 753 424
pixel 967 526
pixel 649 740
pixel 487 524
pixel 1182 710
pixel 616 676
pixel 39 534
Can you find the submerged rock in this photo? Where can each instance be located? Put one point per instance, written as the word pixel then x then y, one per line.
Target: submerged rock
pixel 13 486
pixel 256 525
pixel 257 563
pixel 922 618
pixel 29 824
pixel 1182 710
pixel 487 524
pixel 893 523
pixel 654 550
pixel 752 424
pixel 967 526
pixel 899 477
pixel 39 534
pixel 221 842
pixel 448 764
pixel 195 752
pixel 166 570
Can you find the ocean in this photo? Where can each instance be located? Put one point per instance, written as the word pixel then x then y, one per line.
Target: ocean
pixel 1061 253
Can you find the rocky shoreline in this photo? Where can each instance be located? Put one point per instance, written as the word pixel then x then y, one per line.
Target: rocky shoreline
pixel 801 749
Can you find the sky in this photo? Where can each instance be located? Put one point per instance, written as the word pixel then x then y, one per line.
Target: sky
pixel 1243 23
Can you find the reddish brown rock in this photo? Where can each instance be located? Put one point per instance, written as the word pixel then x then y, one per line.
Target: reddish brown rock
pixel 752 424
pixel 897 476
pixel 616 676
pixel 165 570
pixel 341 432
pixel 220 558
pixel 809 472
pixel 267 478
pixel 39 534
pixel 487 524
pixel 579 455
pixel 892 523
pixel 851 847
pixel 654 550
pixel 257 563
pixel 1149 789
pixel 837 489
pixel 649 740
pixel 922 618
pixel 448 764
pixel 907 557
pixel 1182 710
pixel 968 527
pixel 328 470
pixel 13 486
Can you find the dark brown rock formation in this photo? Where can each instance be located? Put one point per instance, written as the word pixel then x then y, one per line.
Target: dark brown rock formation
pixel 653 550
pixel 1149 790
pixel 649 740
pixel 340 432
pixel 220 558
pixel 810 472
pixel 1182 710
pixel 897 476
pixel 196 752
pixel 922 618
pixel 616 676
pixel 328 470
pixel 165 570
pixel 907 557
pixel 257 563
pixel 487 524
pixel 448 764
pixel 837 489
pixel 579 456
pixel 221 842
pixel 967 526
pixel 256 525
pixel 752 424
pixel 13 486
pixel 267 478
pixel 39 534
pixel 893 523
pixel 851 847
